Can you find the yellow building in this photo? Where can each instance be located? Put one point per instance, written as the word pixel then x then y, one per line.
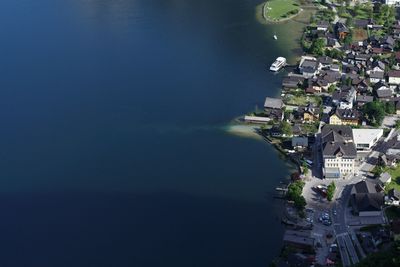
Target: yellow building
pixel 311 113
pixel 345 117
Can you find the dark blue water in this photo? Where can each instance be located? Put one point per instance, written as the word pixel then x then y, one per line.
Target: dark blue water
pixel 113 142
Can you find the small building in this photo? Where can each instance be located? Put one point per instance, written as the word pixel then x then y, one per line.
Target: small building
pixel 300 141
pixel 308 66
pixel 394 77
pixel 365 199
pixel 392 198
pixel 376 76
pixel 274 108
pixel 364 99
pixel 385 178
pixel 298 239
pixel 365 139
pixel 311 113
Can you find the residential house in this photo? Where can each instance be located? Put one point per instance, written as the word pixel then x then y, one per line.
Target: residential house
pixel 345 97
pixel 392 197
pixel 311 113
pixel 338 151
pixel 341 30
pixel 382 91
pixel 345 117
pixel 365 139
pixel 365 199
pixel 274 108
pixel 376 76
pixel 308 67
pixel 292 82
pixel 364 99
pixel 394 77
pixel 323 26
pixel 300 141
pixel 325 62
pixel 384 179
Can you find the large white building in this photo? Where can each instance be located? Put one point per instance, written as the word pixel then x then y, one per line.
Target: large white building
pixel 338 151
pixel 365 139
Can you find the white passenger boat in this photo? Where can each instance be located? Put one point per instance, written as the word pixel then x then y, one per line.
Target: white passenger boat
pixel 278 64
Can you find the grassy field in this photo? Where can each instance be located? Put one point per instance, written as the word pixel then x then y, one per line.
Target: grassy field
pixel 281 9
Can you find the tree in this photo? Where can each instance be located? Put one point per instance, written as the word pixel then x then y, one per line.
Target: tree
pixel 390 108
pixel 286 128
pixel 374 112
pixel 397 124
pixel 294 194
pixel 331 89
pixel 317 47
pixel 330 191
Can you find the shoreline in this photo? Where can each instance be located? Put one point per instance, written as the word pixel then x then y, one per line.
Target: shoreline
pixel 277 21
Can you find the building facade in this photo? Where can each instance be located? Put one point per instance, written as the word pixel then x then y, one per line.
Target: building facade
pixel 338 151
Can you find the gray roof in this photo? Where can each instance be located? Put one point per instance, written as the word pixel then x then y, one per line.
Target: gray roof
pixel 337 140
pixel 365 98
pixel 348 114
pixel 377 74
pixel 367 202
pixel 384 93
pixel 363 187
pixel 309 64
pixel 385 177
pixel 274 103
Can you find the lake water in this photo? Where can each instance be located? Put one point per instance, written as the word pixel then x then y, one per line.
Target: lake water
pixel 114 141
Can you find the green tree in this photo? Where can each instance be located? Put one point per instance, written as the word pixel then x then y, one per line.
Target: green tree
pixel 294 194
pixel 286 128
pixel 330 191
pixel 397 124
pixel 390 108
pixel 374 112
pixel 317 47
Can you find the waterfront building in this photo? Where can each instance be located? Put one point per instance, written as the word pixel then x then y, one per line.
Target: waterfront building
pixel 274 108
pixel 338 151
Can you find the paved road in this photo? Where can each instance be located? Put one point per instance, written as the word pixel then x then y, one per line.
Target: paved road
pixel 343 251
pixel 351 249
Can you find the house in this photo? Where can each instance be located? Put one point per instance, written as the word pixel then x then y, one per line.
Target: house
pixel 345 117
pixel 338 151
pixel 388 160
pixel 344 98
pixel 394 77
pixel 323 26
pixel 382 91
pixel 366 201
pixel 376 76
pixel 365 139
pixel 393 197
pixel 298 239
pixel 311 113
pixel 341 30
pixel 300 141
pixel 384 179
pixel 364 99
pixel 274 108
pixel 292 82
pixel 335 67
pixel 308 66
pixel 325 62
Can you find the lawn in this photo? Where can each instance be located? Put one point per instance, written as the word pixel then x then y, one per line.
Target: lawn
pixel 280 9
pixel 300 100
